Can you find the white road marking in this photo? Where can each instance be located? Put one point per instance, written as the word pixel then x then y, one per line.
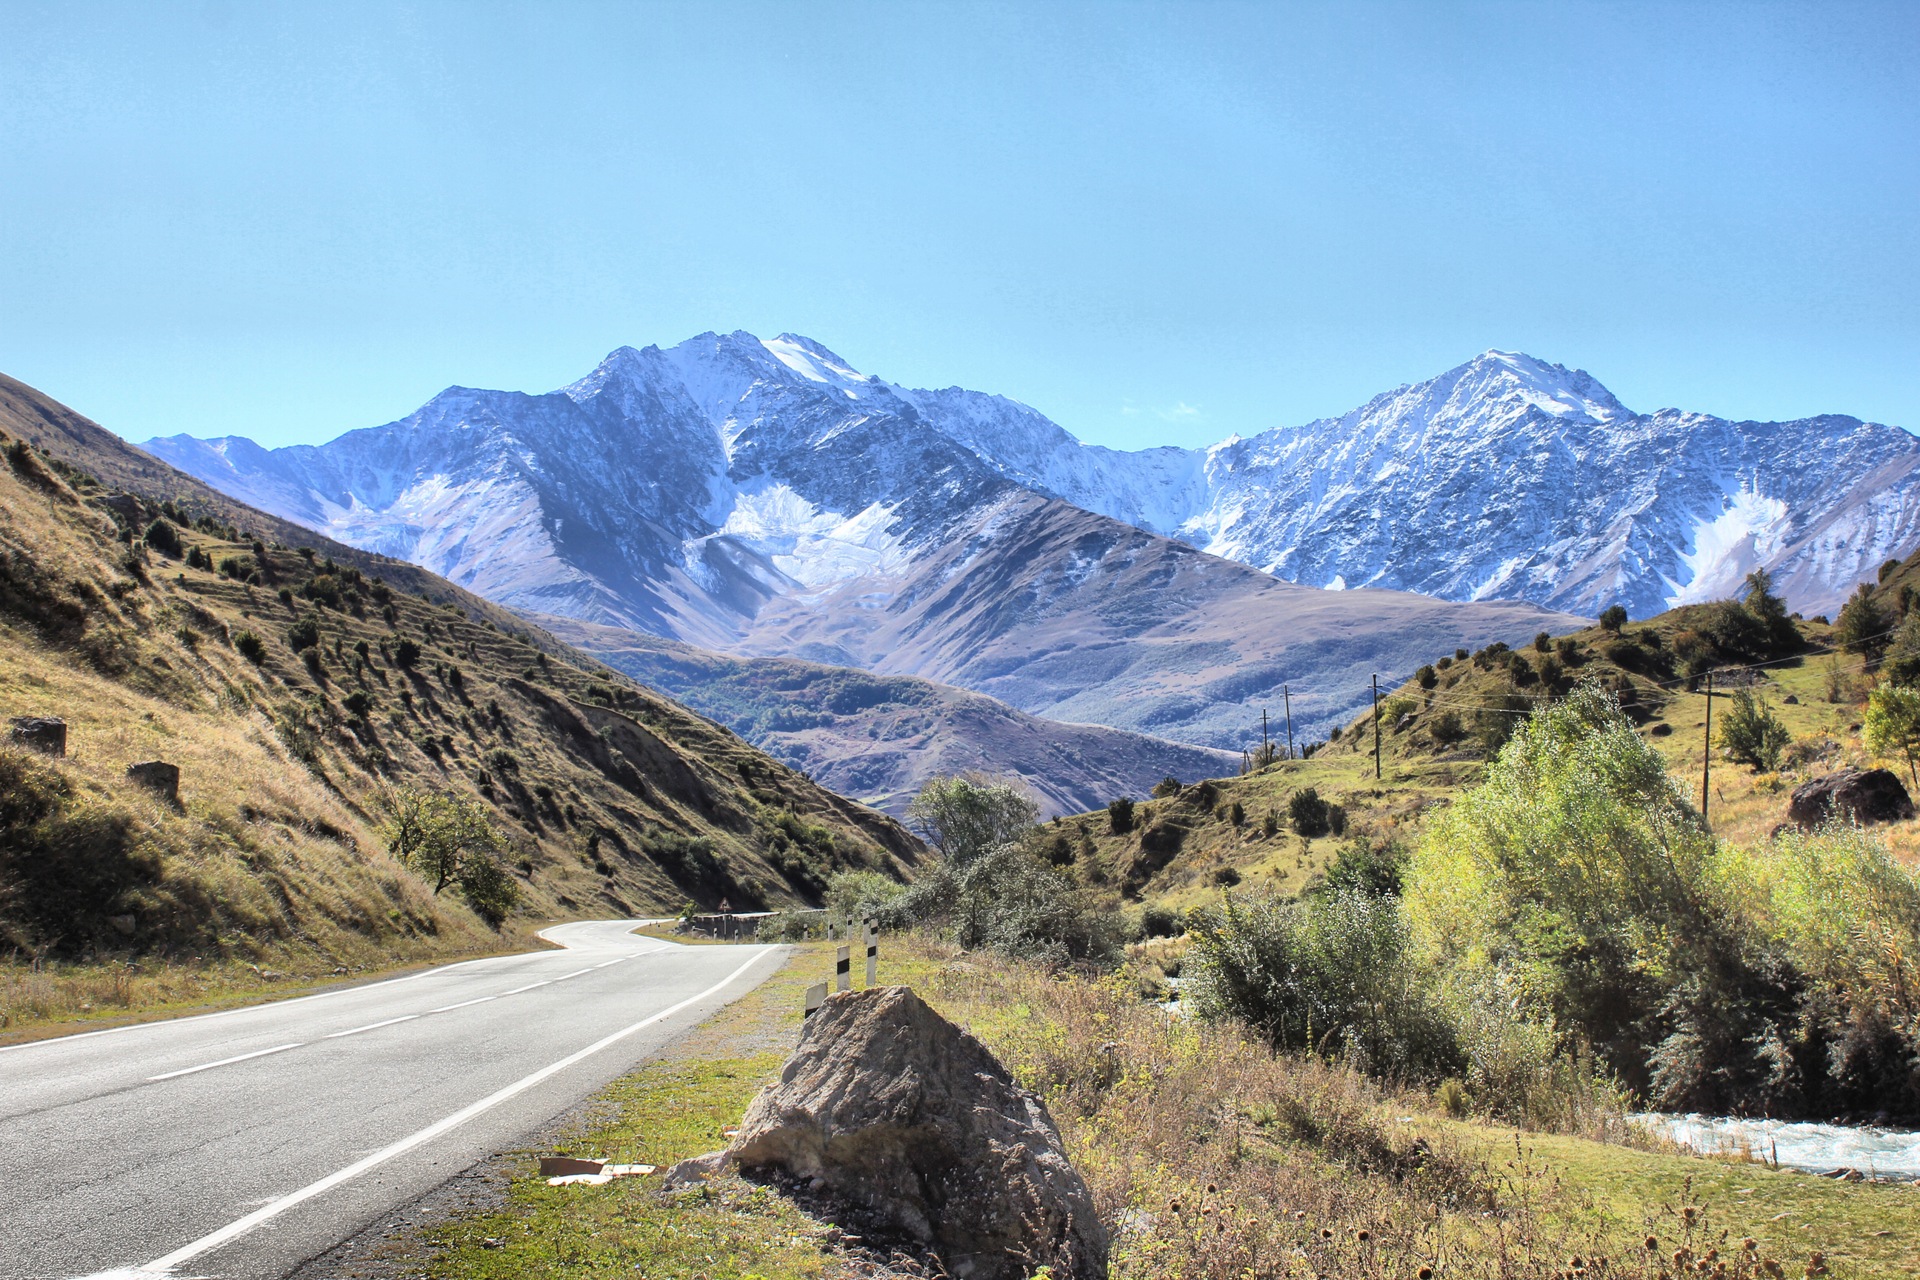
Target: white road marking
pixel 621 960
pixel 372 1026
pixel 234 1230
pixel 517 990
pixel 576 973
pixel 208 1066
pixel 447 1008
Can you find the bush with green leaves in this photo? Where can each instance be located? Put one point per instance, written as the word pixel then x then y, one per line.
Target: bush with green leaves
pixel 1751 734
pixel 1009 900
pixel 164 538
pixel 1893 725
pixel 451 839
pixel 856 895
pixel 1335 974
pixel 967 816
pixel 1308 813
pixel 1863 625
pixel 1900 662
pixel 1612 618
pixel 1120 816
pixel 249 646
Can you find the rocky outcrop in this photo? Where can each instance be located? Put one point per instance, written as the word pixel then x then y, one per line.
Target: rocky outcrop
pixel 1851 795
pixel 893 1110
pixel 46 734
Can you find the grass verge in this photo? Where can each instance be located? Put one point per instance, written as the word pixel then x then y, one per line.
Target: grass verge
pixel 1206 1156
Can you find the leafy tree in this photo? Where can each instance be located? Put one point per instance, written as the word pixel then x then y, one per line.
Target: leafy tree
pixel 1863 626
pixel 1427 677
pixel 1751 734
pixel 163 537
pixel 1309 813
pixel 1120 815
pixel 1893 725
pixel 450 840
pixel 856 895
pixel 1770 611
pixel 1612 618
pixel 966 817
pixel 304 634
pixel 1543 642
pixel 1901 665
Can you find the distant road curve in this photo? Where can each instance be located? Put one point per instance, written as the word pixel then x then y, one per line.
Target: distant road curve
pixel 243 1143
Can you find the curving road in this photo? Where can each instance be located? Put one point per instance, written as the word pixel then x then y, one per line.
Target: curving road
pixel 242 1143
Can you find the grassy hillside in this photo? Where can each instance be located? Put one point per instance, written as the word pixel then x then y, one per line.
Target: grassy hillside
pixel 880 738
pixel 299 692
pixel 1184 849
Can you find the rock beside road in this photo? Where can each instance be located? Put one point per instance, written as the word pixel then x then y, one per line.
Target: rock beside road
pixel 887 1106
pixel 1851 795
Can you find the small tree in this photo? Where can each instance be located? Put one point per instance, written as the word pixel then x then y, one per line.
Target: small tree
pixel 163 537
pixel 1308 813
pixel 1770 611
pixel 1120 815
pixel 450 840
pixel 966 817
pixel 1863 625
pixel 1901 665
pixel 1543 642
pixel 1427 677
pixel 1612 618
pixel 1237 815
pixel 1893 725
pixel 1751 734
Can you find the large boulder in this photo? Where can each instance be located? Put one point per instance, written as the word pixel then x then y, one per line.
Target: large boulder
pixel 1851 795
pixel 889 1107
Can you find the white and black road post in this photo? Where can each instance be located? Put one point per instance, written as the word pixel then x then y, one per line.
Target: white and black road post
pixel 816 996
pixel 873 953
pixel 843 969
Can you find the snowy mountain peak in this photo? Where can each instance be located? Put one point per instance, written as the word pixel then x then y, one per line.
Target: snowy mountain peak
pixel 817 364
pixel 1552 388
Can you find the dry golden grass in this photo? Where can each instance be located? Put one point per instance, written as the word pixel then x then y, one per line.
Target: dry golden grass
pixel 274 857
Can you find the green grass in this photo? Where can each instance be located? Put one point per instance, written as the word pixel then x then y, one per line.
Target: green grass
pixel 671 1108
pixel 1157 1132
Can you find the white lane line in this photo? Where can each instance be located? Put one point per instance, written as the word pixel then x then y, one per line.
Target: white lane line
pixel 621 960
pixel 242 1057
pixel 234 1230
pixel 372 1026
pixel 447 1008
pixel 530 986
pixel 576 973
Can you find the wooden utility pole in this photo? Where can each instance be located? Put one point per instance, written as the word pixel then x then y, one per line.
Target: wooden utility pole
pixel 1706 756
pixel 1287 693
pixel 1266 752
pixel 1376 728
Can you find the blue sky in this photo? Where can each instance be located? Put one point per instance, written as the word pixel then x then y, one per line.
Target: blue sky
pixel 1156 223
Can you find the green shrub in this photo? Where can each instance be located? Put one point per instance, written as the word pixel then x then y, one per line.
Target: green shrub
pixel 858 895
pixel 1010 901
pixel 1612 618
pixel 164 538
pixel 1751 734
pixel 304 634
pixel 1863 626
pixel 249 646
pixel 966 817
pixel 1308 813
pixel 406 654
pixel 1334 974
pixel 1120 815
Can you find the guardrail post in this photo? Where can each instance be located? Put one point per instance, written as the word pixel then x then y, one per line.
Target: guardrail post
pixel 873 953
pixel 843 969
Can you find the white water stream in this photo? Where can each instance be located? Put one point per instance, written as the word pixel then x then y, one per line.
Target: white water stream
pixel 1818 1148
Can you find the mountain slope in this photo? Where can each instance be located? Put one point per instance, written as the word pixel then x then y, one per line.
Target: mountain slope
pixel 881 737
pixel 1505 478
pixel 762 498
pixel 362 678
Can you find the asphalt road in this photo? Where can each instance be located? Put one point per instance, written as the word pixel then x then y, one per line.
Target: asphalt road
pixel 242 1143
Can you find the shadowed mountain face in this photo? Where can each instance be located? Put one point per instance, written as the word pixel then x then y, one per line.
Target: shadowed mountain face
pixel 762 498
pixel 879 738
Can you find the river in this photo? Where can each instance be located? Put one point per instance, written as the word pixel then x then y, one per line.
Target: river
pixel 1817 1148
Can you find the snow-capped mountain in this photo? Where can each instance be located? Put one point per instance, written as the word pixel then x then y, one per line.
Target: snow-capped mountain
pixel 1505 478
pixel 763 498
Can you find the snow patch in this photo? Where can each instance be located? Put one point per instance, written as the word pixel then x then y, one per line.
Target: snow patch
pixel 813 547
pixel 1747 534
